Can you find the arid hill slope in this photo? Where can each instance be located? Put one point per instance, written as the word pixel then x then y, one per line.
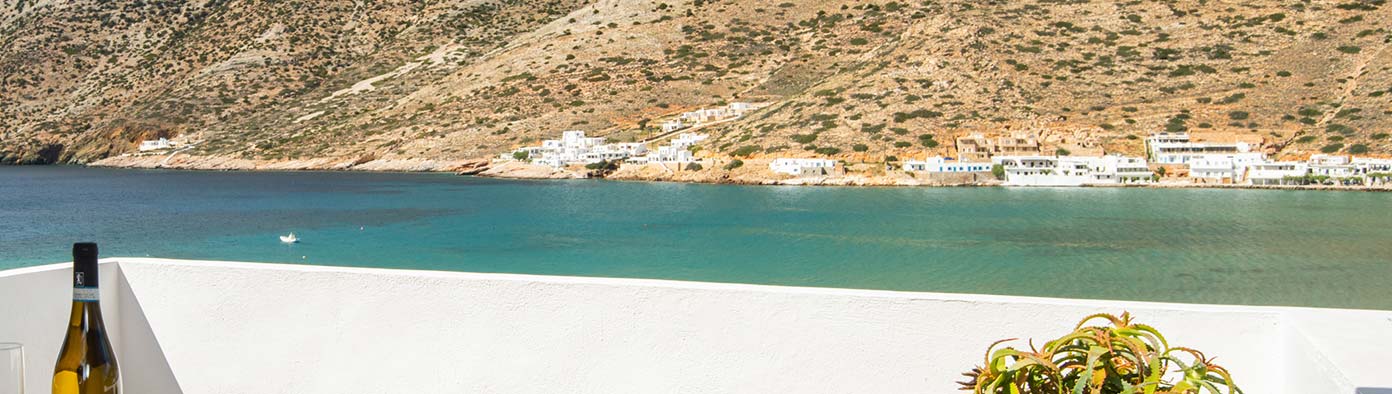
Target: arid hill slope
pixel 464 79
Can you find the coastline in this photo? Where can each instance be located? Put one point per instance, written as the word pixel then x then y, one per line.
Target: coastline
pixel 754 174
pixel 361 163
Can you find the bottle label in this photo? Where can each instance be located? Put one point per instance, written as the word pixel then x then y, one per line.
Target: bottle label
pixel 86 294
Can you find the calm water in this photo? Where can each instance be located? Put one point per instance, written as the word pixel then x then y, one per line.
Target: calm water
pixel 1209 246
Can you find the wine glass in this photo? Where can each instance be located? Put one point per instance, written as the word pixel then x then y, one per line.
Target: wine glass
pixel 11 368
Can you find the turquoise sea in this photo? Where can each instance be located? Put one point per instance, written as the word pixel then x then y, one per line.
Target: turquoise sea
pixel 1328 249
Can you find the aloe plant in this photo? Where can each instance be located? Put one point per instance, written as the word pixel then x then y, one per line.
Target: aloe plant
pixel 1122 358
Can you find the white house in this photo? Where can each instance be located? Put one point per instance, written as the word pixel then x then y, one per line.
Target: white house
pixel 1122 169
pixel 1219 167
pixel 1072 170
pixel 672 154
pixel 677 152
pixel 803 167
pixel 739 109
pixel 1370 166
pixel 576 138
pixel 611 152
pixel 1334 166
pixel 149 145
pixel 665 154
pixel 1043 170
pixel 672 125
pixel 1276 173
pixel 685 140
pixel 1367 165
pixel 706 115
pixel 1374 171
pixel 942 164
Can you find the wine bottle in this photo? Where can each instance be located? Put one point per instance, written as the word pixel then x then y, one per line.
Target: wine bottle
pixel 86 364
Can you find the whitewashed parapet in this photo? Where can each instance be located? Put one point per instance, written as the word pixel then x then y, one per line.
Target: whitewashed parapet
pixel 204 327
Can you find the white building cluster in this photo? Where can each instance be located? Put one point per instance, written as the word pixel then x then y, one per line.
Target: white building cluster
pixel 575 148
pixel 1035 169
pixel 1244 163
pixel 708 115
pixel 1073 170
pixel 1213 161
pixel 1323 168
pixel 679 151
pixel 1219 162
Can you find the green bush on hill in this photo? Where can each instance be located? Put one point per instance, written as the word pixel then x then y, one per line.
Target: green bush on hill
pixel 747 150
pixel 927 140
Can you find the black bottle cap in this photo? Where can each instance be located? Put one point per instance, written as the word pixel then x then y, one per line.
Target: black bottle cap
pixel 84 251
pixel 84 264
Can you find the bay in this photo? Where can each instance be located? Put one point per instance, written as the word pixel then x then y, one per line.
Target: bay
pixel 1258 247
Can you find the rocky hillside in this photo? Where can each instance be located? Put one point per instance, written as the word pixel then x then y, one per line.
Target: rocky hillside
pixel 281 81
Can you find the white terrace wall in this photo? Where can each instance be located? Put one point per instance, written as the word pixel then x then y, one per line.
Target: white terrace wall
pixel 34 308
pixel 216 327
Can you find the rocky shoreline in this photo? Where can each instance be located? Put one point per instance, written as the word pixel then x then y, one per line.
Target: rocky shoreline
pixel 752 174
pixel 216 163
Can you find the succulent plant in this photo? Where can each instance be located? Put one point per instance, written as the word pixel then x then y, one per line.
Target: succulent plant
pixel 1121 358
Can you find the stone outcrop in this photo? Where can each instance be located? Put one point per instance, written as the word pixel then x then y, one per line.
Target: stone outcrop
pixel 521 170
pixel 217 163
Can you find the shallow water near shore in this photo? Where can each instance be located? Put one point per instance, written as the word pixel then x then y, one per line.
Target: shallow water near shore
pixel 1263 247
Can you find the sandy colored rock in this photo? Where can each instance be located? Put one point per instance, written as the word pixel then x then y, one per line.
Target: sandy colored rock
pixel 521 170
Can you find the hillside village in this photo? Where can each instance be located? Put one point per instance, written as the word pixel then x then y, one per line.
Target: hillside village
pixel 885 90
pixel 1019 159
pixel 1016 159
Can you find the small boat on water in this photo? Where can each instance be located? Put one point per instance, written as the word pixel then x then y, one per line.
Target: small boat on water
pixel 289 239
